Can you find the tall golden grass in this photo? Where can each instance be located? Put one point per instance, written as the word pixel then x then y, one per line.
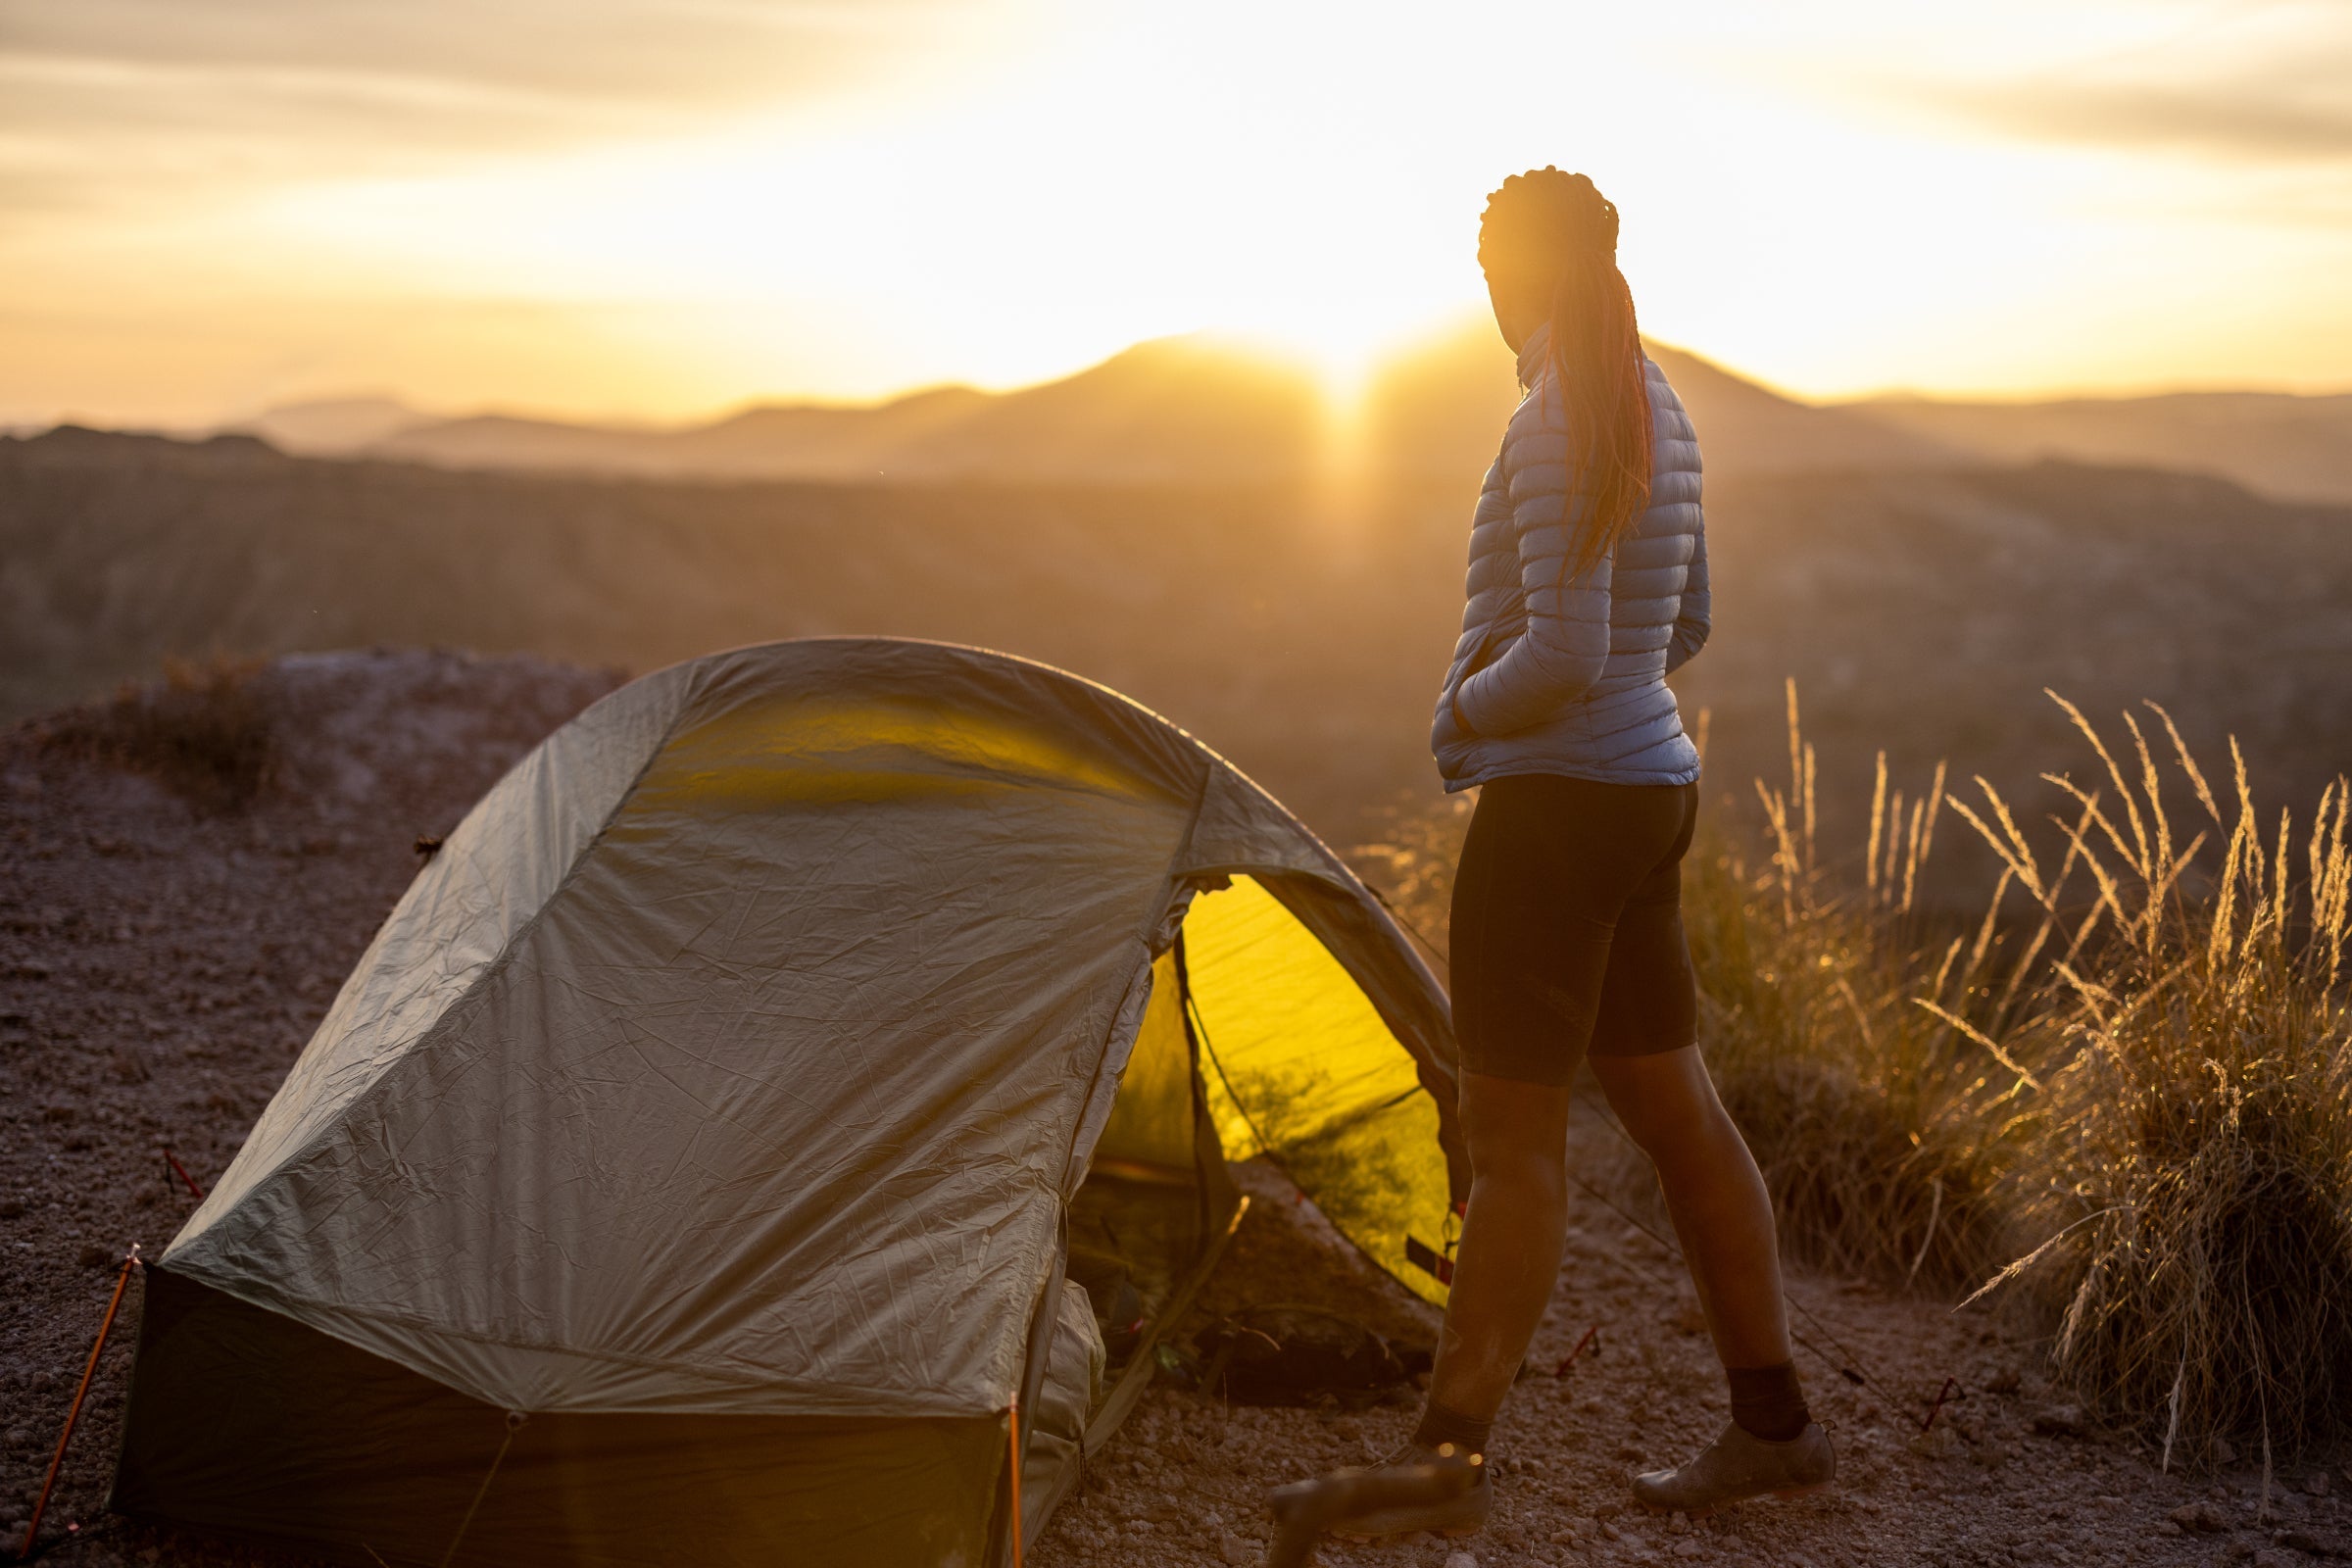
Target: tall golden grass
pixel 2123 1094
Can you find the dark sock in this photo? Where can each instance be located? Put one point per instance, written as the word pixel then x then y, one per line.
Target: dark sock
pixel 1439 1424
pixel 1766 1402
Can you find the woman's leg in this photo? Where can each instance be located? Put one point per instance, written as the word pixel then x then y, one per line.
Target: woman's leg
pixel 1548 865
pixel 1509 1256
pixel 1722 1213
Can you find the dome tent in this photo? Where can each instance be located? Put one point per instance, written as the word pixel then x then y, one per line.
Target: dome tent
pixel 695 1164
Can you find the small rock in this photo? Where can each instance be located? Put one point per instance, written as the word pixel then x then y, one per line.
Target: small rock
pixel 2223 1451
pixel 2316 1483
pixel 1233 1548
pixel 12 1208
pixel 2059 1420
pixel 2004 1381
pixel 94 1255
pixel 2200 1515
pixel 1937 1442
pixel 1461 1559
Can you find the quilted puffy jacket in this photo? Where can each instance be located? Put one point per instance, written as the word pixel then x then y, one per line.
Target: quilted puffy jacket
pixel 1570 678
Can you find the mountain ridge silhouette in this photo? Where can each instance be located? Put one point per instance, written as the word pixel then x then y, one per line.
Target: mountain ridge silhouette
pixel 1201 409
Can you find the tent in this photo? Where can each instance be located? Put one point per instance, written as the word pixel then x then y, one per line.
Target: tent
pixel 802 1054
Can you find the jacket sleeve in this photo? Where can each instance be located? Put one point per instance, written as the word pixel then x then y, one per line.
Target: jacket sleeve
pixel 1696 617
pixel 1565 645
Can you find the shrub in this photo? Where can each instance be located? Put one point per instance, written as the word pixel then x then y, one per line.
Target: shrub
pixel 204 731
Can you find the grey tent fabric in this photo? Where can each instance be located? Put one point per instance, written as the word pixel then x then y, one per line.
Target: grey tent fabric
pixel 740 1055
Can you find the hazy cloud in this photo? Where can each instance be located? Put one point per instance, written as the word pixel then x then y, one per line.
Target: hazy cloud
pixel 114 103
pixel 2261 83
pixel 2250 121
pixel 648 53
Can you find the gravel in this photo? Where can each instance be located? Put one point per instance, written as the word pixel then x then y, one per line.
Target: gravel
pixel 160 969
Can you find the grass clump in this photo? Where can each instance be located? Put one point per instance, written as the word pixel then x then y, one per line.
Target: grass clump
pixel 1882 1130
pixel 2194 1185
pixel 204 731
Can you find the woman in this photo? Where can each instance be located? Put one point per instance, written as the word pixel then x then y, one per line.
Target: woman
pixel 1587 586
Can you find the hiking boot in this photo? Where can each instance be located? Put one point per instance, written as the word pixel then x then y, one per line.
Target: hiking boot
pixel 1461 1511
pixel 1739 1466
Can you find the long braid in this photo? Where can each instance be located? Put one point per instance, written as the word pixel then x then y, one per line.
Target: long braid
pixel 1548 222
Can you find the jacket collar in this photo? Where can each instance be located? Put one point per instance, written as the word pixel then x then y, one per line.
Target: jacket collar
pixel 1533 356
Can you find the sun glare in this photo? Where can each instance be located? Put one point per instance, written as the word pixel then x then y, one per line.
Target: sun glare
pixel 1241 168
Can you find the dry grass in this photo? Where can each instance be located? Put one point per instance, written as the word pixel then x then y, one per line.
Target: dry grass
pixel 2135 1070
pixel 1878 1125
pixel 203 730
pixel 2192 1188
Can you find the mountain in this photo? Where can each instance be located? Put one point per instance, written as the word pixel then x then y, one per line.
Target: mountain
pixel 814 441
pixel 2296 448
pixel 1440 407
pixel 1201 410
pixel 333 426
pixel 1172 408
pixel 1176 408
pixel 1921 612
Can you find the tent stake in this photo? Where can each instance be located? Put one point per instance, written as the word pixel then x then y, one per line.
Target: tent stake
pixel 1012 1421
pixel 131 1260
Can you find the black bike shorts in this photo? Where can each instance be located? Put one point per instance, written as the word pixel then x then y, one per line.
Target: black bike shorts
pixel 1567 925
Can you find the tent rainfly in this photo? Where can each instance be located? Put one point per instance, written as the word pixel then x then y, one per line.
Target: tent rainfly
pixel 806 1053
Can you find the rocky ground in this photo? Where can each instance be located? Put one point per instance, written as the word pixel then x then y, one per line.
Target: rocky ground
pixel 162 962
pixel 2008 1473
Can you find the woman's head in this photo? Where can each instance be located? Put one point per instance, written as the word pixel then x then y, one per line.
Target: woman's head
pixel 1547 243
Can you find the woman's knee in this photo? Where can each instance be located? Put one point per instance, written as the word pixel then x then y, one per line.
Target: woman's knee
pixel 1667 1100
pixel 1517 1131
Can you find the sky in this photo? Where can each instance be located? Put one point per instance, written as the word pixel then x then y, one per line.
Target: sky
pixel 654 210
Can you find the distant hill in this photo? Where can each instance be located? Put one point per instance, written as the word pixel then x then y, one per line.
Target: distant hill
pixel 333 428
pixel 1198 409
pixel 1173 409
pixel 1441 410
pixel 1176 408
pixel 1922 612
pixel 2296 448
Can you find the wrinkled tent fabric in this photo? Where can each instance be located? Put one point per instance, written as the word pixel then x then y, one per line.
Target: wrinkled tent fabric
pixel 719 1098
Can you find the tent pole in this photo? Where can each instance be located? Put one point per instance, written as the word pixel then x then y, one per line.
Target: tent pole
pixel 1138 1376
pixel 131 1260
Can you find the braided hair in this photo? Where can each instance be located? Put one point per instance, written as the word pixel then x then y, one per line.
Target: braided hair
pixel 1545 229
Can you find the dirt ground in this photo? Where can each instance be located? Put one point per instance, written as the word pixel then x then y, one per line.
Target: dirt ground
pixel 161 968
